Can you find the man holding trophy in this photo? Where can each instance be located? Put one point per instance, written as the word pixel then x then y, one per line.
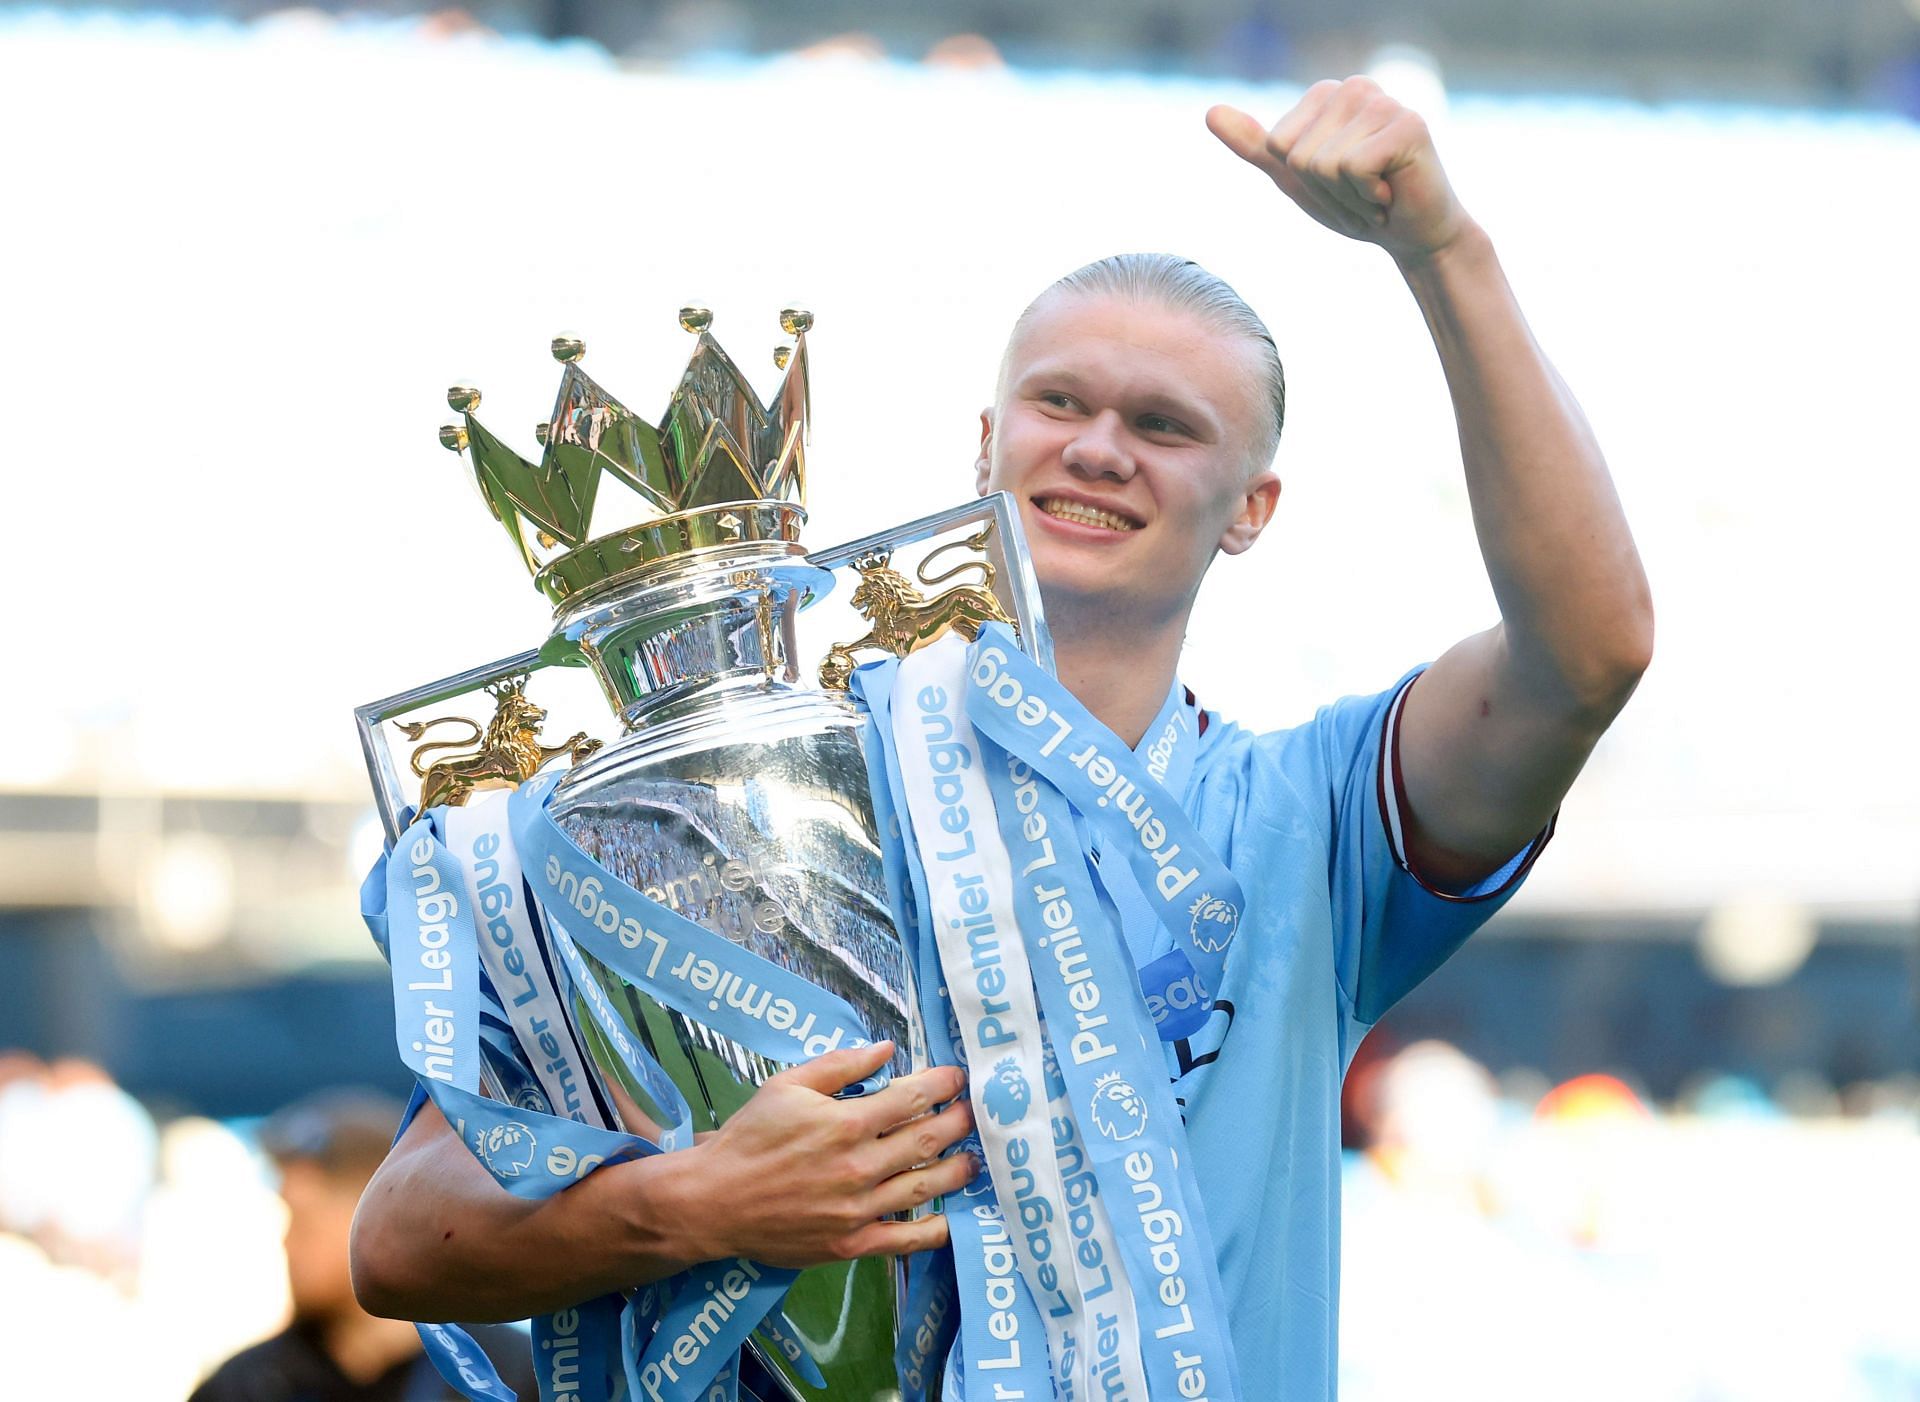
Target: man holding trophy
pixel 1137 413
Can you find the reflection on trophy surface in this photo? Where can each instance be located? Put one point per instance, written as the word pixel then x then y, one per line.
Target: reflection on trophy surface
pixel 737 795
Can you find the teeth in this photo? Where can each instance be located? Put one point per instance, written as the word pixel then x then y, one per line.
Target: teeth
pixel 1085 515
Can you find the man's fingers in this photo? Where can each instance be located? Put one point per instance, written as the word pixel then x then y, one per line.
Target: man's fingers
pixel 922 1140
pixel 917 1187
pixel 1391 146
pixel 839 1069
pixel 1305 113
pixel 1328 117
pixel 1246 138
pixel 1241 133
pixel 911 1096
pixel 1308 194
pixel 1349 158
pixel 1305 129
pixel 1316 156
pixel 1343 172
pixel 898 1238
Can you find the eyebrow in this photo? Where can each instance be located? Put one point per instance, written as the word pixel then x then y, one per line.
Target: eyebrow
pixel 1192 412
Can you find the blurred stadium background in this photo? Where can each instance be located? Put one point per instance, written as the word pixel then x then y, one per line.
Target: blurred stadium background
pixel 1655 1132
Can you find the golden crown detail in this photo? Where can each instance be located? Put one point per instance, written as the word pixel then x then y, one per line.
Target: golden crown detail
pixel 706 474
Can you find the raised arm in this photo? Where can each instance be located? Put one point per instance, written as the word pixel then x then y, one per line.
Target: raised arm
pixel 795 1178
pixel 1494 733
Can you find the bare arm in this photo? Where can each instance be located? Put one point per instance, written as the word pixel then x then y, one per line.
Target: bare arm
pixel 1494 734
pixel 796 1178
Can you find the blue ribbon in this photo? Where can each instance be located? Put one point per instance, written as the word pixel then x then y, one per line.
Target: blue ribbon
pixel 1056 771
pixel 754 1001
pixel 679 1339
pixel 1019 707
pixel 928 1325
pixel 436 988
pixel 1173 1001
pixel 1012 1350
pixel 1117 1084
pixel 415 905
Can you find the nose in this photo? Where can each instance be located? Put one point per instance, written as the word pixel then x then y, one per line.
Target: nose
pixel 1099 449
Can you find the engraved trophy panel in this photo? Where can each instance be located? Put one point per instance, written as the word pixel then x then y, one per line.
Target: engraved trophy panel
pixel 732 788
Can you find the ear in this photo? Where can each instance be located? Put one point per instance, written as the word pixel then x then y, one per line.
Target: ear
pixel 983 464
pixel 1256 509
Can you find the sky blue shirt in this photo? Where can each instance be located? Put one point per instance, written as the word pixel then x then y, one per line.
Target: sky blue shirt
pixel 1336 930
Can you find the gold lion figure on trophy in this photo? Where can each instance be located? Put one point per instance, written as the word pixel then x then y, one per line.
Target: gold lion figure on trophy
pixel 903 619
pixel 508 753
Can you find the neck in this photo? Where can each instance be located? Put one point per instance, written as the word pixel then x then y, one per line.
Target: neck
pixel 1125 685
pixel 364 1347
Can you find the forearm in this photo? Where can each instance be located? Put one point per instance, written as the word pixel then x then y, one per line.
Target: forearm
pixel 436 1238
pixel 1575 608
pixel 795 1178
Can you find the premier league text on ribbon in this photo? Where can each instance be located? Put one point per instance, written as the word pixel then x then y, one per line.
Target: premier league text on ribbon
pixel 520 985
pixel 947 757
pixel 989 674
pixel 725 1295
pixel 583 893
pixel 1160 1224
pixel 434 906
pixel 1160 1221
pixel 1049 1180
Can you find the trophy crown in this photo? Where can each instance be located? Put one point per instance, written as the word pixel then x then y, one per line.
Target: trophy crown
pixel 719 467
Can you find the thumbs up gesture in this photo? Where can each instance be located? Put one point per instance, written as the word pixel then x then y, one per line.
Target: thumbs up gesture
pixel 1357 161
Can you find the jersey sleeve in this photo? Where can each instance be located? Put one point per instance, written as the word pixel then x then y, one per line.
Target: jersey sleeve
pixel 1391 927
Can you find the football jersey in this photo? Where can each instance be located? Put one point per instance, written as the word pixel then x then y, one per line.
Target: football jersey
pixel 1335 930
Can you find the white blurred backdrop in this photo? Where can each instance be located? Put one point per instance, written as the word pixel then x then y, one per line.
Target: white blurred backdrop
pixel 243 266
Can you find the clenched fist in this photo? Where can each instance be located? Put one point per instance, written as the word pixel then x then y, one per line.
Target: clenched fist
pixel 1358 162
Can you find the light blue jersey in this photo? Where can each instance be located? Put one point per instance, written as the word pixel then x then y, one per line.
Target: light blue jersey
pixel 1336 930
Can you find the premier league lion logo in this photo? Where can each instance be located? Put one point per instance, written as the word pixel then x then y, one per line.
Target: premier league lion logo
pixel 1214 922
pixel 505 1148
pixel 1119 1111
pixel 1007 1093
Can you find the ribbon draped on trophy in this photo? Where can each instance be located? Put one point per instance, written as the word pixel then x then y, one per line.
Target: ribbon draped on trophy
pixel 592 963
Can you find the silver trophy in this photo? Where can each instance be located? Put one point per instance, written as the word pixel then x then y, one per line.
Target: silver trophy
pixel 731 790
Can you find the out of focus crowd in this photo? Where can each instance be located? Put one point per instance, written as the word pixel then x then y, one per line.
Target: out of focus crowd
pixel 150 1263
pixel 1503 1238
pixel 1507 1238
pixel 133 1258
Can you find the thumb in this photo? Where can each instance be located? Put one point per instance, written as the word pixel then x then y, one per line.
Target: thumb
pixel 1242 134
pixel 839 1069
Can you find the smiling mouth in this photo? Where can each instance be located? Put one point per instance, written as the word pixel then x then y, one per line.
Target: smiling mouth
pixel 1082 514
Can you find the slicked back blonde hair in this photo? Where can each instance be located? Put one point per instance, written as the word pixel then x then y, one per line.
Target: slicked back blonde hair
pixel 1182 284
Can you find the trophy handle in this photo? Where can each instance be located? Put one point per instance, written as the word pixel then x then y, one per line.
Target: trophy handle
pixel 903 619
pixel 505 680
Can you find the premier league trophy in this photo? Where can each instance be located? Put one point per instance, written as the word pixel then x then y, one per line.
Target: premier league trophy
pixel 727 789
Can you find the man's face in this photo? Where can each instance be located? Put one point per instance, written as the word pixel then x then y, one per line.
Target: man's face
pixel 1125 431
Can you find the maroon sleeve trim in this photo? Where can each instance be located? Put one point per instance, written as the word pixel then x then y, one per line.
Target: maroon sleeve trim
pixel 1391 787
